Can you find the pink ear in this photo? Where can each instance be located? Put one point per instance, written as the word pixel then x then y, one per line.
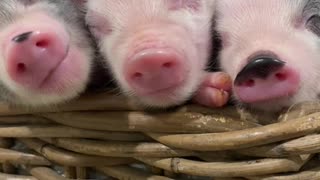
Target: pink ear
pixel 181 4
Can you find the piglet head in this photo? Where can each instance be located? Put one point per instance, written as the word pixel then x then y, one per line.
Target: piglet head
pixel 271 50
pixel 157 50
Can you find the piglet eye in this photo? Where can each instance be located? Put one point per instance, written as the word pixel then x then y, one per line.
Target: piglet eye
pixel 313 24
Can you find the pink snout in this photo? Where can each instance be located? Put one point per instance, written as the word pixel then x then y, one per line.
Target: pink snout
pixel 266 79
pixel 32 55
pixel 155 71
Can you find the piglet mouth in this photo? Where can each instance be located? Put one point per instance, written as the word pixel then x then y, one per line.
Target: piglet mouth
pixel 54 69
pixel 166 91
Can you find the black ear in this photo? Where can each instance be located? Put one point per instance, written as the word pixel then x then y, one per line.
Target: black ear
pixel 311 14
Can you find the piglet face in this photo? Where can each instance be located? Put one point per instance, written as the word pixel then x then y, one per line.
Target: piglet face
pixel 271 50
pixel 45 52
pixel 157 50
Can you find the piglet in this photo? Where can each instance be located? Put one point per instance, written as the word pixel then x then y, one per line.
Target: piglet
pixel 158 50
pixel 45 51
pixel 271 49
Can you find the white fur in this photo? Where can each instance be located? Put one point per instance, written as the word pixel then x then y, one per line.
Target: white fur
pixel 249 26
pixel 76 84
pixel 185 30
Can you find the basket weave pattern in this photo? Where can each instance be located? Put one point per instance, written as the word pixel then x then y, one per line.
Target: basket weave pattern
pixel 107 133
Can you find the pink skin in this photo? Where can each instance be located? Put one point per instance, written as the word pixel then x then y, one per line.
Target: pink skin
pixel 214 91
pixel 45 64
pixel 159 60
pixel 282 83
pixel 156 70
pixel 248 27
pixel 31 62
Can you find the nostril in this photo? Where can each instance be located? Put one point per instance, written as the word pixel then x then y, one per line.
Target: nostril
pixel 42 43
pixel 168 65
pixel 137 75
pixel 248 83
pixel 21 67
pixel 261 67
pixel 281 76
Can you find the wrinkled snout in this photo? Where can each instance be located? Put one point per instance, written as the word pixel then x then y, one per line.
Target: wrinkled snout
pixel 32 54
pixel 265 78
pixel 152 71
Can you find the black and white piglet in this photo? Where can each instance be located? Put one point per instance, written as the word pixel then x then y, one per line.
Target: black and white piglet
pixel 45 52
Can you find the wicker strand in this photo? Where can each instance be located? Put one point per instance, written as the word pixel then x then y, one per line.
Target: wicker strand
pixel 44 173
pixel 16 177
pixel 118 149
pixel 65 131
pixel 15 157
pixel 69 158
pixel 226 169
pixel 124 172
pixel 306 145
pixel 178 122
pixel 312 174
pixel 242 138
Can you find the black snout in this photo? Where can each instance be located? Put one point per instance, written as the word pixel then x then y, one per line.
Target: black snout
pixel 22 37
pixel 259 67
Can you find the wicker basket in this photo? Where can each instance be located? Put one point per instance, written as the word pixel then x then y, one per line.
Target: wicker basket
pixel 110 135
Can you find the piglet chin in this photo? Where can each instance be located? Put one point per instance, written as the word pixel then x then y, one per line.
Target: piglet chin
pixel 271 106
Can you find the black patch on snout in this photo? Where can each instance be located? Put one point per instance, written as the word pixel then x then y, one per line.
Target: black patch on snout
pixel 260 67
pixel 22 37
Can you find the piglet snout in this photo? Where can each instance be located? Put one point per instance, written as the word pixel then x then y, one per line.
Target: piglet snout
pixel 32 55
pixel 265 78
pixel 154 71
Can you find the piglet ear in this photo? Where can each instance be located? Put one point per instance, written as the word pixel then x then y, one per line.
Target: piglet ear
pixel 184 4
